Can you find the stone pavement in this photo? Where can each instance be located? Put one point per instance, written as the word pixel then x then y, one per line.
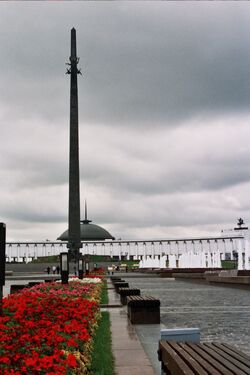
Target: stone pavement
pixel 129 354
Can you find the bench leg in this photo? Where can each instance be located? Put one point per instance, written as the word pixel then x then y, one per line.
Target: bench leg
pixel 165 370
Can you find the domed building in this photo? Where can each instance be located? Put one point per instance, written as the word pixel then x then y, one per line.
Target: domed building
pixel 89 232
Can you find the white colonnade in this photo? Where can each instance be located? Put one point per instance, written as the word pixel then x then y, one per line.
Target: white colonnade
pixel 173 253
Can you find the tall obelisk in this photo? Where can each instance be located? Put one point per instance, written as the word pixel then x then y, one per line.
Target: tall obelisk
pixel 74 238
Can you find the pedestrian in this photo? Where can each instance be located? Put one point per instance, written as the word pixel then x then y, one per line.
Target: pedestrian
pixel 58 269
pixel 48 270
pixel 75 270
pixel 54 269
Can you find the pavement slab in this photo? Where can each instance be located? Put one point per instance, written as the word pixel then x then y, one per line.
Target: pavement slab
pixel 129 354
pixel 134 370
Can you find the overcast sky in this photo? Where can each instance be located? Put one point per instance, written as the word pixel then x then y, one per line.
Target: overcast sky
pixel 164 116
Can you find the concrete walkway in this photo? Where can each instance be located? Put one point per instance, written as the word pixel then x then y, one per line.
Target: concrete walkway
pixel 130 357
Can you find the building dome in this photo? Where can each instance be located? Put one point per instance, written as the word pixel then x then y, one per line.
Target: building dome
pixel 89 232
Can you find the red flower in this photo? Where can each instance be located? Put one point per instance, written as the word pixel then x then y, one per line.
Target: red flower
pixel 40 324
pixel 5 360
pixel 71 360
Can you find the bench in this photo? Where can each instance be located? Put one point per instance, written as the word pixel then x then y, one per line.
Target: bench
pixel 143 310
pixel 125 292
pixel 118 281
pixel 186 358
pixel 115 278
pixel 121 284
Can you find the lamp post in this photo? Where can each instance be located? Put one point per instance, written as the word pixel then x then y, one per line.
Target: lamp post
pixel 64 266
pixel 2 263
pixel 80 268
pixel 86 267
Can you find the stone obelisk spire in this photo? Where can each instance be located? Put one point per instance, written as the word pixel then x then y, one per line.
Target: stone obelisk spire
pixel 74 238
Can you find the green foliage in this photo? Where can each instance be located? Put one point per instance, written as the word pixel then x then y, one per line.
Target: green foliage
pixel 102 356
pixel 104 296
pixel 100 258
pixel 229 264
pixel 49 259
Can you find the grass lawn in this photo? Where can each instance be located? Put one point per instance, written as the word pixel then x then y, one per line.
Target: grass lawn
pixel 104 299
pixel 102 359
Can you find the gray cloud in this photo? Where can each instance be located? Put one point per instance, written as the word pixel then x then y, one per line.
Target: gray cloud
pixel 155 65
pixel 185 160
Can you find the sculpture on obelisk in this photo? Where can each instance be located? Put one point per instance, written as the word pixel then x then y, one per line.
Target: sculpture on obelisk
pixel 74 237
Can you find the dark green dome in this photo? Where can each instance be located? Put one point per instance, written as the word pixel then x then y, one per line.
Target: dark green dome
pixel 89 232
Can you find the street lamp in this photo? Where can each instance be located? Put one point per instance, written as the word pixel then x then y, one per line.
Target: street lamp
pixel 64 267
pixel 2 263
pixel 87 267
pixel 80 268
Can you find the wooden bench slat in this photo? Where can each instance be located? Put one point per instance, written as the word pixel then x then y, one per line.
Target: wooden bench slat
pixel 232 363
pixel 243 355
pixel 236 356
pixel 174 362
pixel 210 369
pixel 202 359
pixel 141 298
pixel 147 300
pixel 228 365
pixel 200 350
pixel 188 358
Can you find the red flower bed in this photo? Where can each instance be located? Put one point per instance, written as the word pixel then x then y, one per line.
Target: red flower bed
pixel 97 272
pixel 48 329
